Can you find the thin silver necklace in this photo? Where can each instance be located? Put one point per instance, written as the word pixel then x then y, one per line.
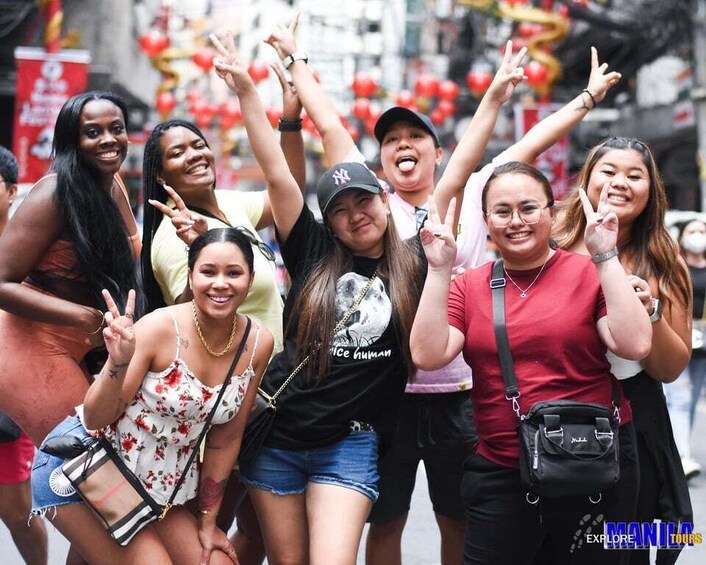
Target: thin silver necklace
pixel 523 292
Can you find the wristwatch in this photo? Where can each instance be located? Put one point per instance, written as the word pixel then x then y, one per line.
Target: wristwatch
pixel 296 56
pixel 656 311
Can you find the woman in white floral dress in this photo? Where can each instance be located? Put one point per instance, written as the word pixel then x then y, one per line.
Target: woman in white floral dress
pixel 151 399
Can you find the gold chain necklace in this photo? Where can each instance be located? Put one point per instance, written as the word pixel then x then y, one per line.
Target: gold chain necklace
pixel 210 351
pixel 523 293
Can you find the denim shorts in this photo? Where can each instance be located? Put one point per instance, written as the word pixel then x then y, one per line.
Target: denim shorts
pixel 50 488
pixel 350 463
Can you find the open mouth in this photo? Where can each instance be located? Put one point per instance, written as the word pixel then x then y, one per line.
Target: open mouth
pixel 618 198
pixel 199 169
pixel 519 234
pixel 219 299
pixel 406 163
pixel 107 155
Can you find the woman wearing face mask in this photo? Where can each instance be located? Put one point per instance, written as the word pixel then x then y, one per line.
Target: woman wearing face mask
pixel 683 394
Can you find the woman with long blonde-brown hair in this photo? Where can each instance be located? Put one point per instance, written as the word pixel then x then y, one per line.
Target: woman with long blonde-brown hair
pixel 661 279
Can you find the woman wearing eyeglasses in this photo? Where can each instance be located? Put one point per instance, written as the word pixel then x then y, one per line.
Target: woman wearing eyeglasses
pixel 179 177
pixel 562 311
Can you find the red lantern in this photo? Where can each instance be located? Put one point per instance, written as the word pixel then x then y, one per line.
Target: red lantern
pixel 165 102
pixel 153 42
pixel 478 81
pixel 405 99
pixel 448 90
pixel 437 116
pixel 273 115
pixel 536 74
pixel 258 71
pixel 230 111
pixel 447 108
pixel 361 108
pixel 193 95
pixel 198 106
pixel 363 85
pixel 370 125
pixel 528 29
pixel 426 85
pixel 203 58
pixel 203 119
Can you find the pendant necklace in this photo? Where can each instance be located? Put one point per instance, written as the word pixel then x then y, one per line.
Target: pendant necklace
pixel 523 292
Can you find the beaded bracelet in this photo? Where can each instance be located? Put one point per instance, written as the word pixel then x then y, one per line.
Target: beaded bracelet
pixel 600 257
pixel 591 97
pixel 289 125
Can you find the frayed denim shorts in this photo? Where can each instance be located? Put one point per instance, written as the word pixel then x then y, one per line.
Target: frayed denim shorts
pixel 50 488
pixel 350 463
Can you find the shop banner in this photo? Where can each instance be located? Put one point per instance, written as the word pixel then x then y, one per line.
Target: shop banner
pixel 44 82
pixel 554 162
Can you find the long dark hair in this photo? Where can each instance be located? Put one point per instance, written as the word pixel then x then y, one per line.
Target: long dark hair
pixel 153 190
pixel 222 235
pixel 400 265
pixel 651 249
pixel 92 218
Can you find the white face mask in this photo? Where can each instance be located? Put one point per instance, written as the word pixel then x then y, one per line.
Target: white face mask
pixel 694 242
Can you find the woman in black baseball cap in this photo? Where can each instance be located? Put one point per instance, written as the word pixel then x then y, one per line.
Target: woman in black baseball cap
pixel 347 318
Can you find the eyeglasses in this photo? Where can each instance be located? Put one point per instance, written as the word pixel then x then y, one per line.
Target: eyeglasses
pixel 529 213
pixel 261 245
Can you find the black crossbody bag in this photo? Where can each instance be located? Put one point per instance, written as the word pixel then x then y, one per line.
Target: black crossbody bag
pixel 567 448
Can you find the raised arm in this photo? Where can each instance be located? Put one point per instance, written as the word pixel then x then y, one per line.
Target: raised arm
pixel 555 126
pixel 220 453
pixel 29 234
pixel 626 328
pixel 285 196
pixel 471 147
pixel 433 342
pixel 336 139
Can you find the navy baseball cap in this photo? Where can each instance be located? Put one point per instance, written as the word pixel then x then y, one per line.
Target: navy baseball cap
pixel 402 114
pixel 342 177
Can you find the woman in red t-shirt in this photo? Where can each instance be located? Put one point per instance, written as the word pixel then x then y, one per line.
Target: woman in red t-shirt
pixel 562 312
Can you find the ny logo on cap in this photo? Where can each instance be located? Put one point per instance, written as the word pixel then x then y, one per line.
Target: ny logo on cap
pixel 340 176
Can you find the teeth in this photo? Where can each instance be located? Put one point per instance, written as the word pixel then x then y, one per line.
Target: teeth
pixel 108 155
pixel 220 299
pixel 518 235
pixel 617 198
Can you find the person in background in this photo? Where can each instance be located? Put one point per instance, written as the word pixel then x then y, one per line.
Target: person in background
pixel 563 311
pixel 179 181
pixel 435 423
pixel 162 378
pixel 626 168
pixel 16 455
pixel 683 394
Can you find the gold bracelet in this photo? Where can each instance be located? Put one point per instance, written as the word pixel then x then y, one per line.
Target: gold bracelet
pixel 100 327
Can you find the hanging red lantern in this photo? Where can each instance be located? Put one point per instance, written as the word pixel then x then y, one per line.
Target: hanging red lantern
pixel 227 122
pixel 165 102
pixel 203 119
pixel 370 126
pixel 230 110
pixel 361 108
pixel 537 74
pixel 363 85
pixel 437 116
pixel 203 58
pixel 198 106
pixel 448 90
pixel 426 85
pixel 447 107
pixel 153 42
pixel 405 99
pixel 528 29
pixel 478 80
pixel 258 71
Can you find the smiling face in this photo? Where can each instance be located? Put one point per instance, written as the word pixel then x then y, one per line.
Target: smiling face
pixel 188 164
pixel 220 279
pixel 522 246
pixel 359 219
pixel 409 158
pixel 629 183
pixel 102 136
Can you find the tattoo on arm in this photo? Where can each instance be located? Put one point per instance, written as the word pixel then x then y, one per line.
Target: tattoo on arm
pixel 112 374
pixel 210 493
pixel 583 106
pixel 185 343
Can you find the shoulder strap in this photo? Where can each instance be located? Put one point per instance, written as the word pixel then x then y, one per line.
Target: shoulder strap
pixel 176 329
pixel 207 423
pixel 497 285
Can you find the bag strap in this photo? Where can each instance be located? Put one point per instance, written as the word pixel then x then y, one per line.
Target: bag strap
pixel 207 422
pixel 339 326
pixel 512 391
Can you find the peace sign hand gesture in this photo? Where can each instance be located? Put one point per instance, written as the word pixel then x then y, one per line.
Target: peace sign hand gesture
pixel 508 76
pixel 600 81
pixel 229 67
pixel 601 233
pixel 437 238
pixel 119 334
pixel 282 39
pixel 188 224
